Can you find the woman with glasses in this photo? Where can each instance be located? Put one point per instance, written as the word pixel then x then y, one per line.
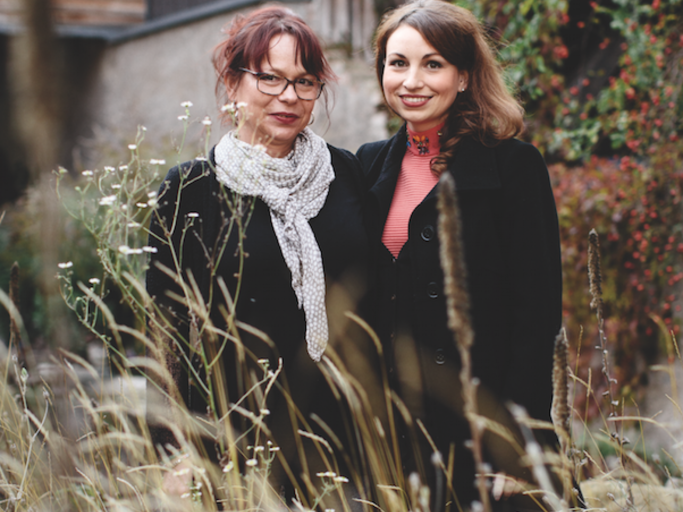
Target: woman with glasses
pixel 438 73
pixel 258 233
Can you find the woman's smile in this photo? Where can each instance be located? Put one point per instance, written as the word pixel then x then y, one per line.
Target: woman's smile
pixel 415 101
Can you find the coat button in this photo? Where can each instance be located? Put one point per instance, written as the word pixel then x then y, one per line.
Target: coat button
pixel 427 233
pixel 433 290
pixel 440 357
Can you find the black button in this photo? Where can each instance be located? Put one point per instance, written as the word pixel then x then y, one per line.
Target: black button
pixel 440 357
pixel 427 233
pixel 433 290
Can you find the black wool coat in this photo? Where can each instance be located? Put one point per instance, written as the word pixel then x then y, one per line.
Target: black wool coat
pixel 205 243
pixel 512 254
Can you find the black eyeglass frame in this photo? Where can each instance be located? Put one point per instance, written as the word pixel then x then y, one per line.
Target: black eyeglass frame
pixel 259 74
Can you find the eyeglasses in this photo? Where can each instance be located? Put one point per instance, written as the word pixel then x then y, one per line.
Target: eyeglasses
pixel 274 85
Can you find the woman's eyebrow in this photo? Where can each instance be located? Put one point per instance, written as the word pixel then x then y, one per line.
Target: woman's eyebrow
pixel 279 72
pixel 425 56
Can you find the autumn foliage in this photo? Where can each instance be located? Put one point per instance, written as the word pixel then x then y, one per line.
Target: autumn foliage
pixel 602 85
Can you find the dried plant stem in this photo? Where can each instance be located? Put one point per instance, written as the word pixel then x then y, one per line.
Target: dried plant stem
pixel 534 453
pixel 560 410
pixel 595 280
pixel 14 330
pixel 458 308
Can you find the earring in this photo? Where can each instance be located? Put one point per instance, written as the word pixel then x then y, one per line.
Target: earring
pixel 462 90
pixel 312 120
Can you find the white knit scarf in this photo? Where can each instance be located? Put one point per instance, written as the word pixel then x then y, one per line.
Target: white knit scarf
pixel 295 189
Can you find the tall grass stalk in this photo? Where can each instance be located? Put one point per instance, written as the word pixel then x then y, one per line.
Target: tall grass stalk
pixel 458 309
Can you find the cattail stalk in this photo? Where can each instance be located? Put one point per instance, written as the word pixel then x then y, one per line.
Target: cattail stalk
pixel 595 281
pixel 458 309
pixel 560 411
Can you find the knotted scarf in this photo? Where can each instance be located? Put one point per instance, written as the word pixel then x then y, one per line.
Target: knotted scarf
pixel 295 189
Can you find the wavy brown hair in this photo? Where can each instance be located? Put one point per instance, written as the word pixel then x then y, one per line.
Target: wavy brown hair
pixel 247 43
pixel 486 110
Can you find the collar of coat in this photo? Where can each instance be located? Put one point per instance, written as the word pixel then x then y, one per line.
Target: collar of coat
pixel 473 167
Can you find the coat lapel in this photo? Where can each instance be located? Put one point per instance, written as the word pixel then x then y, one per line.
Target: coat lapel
pixel 383 189
pixel 473 168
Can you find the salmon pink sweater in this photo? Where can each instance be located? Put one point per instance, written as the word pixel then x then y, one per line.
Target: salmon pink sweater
pixel 415 181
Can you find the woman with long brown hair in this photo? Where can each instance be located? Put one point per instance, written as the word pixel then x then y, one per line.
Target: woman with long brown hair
pixel 439 73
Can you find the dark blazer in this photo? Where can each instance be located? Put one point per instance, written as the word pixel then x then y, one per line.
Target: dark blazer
pixel 205 237
pixel 512 255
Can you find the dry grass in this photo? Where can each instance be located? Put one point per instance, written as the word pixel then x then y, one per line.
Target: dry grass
pixel 73 440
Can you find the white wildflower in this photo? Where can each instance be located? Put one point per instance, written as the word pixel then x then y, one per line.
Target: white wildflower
pixel 124 249
pixel 116 186
pixel 182 118
pixel 264 412
pixel 228 467
pixel 193 215
pixel 151 194
pixel 240 105
pixel 206 121
pixel 123 168
pixel 155 161
pixel 132 147
pixel 68 264
pixel 326 474
pixel 124 206
pixel 149 248
pixel 136 251
pixel 62 170
pixel 258 449
pixel 202 159
pixel 152 203
pixel 87 173
pixel 108 168
pixel 94 280
pixel 228 107
pixel 141 205
pixel 274 448
pixel 107 200
pixel 341 479
pixel 134 224
pixel 251 462
pixel 186 104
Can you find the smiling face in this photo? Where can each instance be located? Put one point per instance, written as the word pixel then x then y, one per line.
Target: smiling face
pixel 274 121
pixel 419 84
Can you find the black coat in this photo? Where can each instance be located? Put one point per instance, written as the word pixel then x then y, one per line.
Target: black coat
pixel 512 255
pixel 206 239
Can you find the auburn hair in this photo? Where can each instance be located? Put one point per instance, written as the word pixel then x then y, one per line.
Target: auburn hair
pixel 247 44
pixel 486 110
